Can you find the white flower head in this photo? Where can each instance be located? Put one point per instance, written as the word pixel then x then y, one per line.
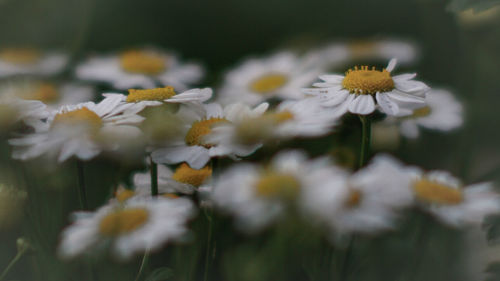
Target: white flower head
pixel 450 201
pixel 140 68
pixel 27 61
pixel 256 196
pixel 129 228
pixel 443 113
pixel 364 202
pixel 81 130
pixel 194 146
pixel 13 110
pixel 361 90
pixel 256 80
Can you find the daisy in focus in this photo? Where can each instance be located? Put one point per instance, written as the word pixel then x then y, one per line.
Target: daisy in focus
pixel 364 202
pixel 81 130
pixel 443 113
pixel 361 90
pixel 256 80
pixel 445 197
pixel 27 61
pixel 133 227
pixel 140 68
pixel 192 145
pixel 257 196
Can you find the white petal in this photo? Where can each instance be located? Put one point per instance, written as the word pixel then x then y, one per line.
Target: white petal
pixel 392 64
pixel 388 106
pixel 362 104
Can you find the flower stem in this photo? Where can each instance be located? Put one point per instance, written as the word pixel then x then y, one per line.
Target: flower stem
pixel 366 136
pixel 144 262
pixel 345 263
pixel 12 263
pixel 81 185
pixel 208 215
pixel 154 177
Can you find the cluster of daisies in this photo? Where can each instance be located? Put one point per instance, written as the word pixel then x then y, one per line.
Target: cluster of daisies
pixel 181 131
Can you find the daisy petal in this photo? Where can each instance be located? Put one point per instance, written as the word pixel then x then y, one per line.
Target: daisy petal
pixel 388 106
pixel 362 104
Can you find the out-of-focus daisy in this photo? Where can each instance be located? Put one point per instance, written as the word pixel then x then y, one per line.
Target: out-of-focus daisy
pixel 81 130
pixel 133 227
pixel 27 61
pixel 450 201
pixel 14 110
pixel 142 68
pixel 192 146
pixel 256 196
pixel 443 113
pixel 256 80
pixel 362 89
pixel 290 119
pixel 366 201
pixel 53 94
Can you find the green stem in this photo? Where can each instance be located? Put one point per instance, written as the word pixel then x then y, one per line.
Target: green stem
pixel 144 262
pixel 208 215
pixel 345 263
pixel 12 263
pixel 154 177
pixel 366 136
pixel 81 185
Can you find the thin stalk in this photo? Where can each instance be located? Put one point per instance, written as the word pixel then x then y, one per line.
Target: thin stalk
pixel 81 185
pixel 154 177
pixel 208 215
pixel 12 263
pixel 144 262
pixel 347 258
pixel 366 137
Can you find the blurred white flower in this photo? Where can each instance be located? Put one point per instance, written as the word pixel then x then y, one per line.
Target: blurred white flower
pixel 26 61
pixel 143 68
pixel 13 110
pixel 365 202
pixel 81 130
pixel 450 201
pixel 357 91
pixel 256 80
pixel 443 113
pixel 256 196
pixel 129 228
pixel 193 145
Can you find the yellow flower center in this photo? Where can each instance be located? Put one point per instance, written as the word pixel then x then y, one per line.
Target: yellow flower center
pixel 421 112
pixel 361 49
pixel 278 185
pixel 268 83
pixel 157 94
pixel 366 81
pixel 201 128
pixel 434 192
pixel 170 195
pixel 186 174
pixel 123 221
pixel 142 62
pixel 20 55
pixel 82 116
pixel 45 92
pixel 279 117
pixel 123 194
pixel 354 199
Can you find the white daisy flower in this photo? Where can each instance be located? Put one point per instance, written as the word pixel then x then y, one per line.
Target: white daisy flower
pixel 443 113
pixel 53 94
pixel 192 146
pixel 450 201
pixel 81 130
pixel 256 196
pixel 13 110
pixel 256 80
pixel 358 90
pixel 26 61
pixel 130 228
pixel 365 202
pixel 142 68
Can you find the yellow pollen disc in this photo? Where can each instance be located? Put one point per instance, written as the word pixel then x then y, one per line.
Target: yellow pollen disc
pixel 123 221
pixel 278 185
pixel 170 195
pixel 199 129
pixel 366 81
pixel 268 83
pixel 142 62
pixel 186 174
pixel 124 194
pixel 434 192
pixel 45 92
pixel 280 117
pixel 157 94
pixel 355 197
pixel 82 116
pixel 421 112
pixel 20 55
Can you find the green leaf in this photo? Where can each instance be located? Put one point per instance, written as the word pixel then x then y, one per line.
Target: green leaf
pixel 159 274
